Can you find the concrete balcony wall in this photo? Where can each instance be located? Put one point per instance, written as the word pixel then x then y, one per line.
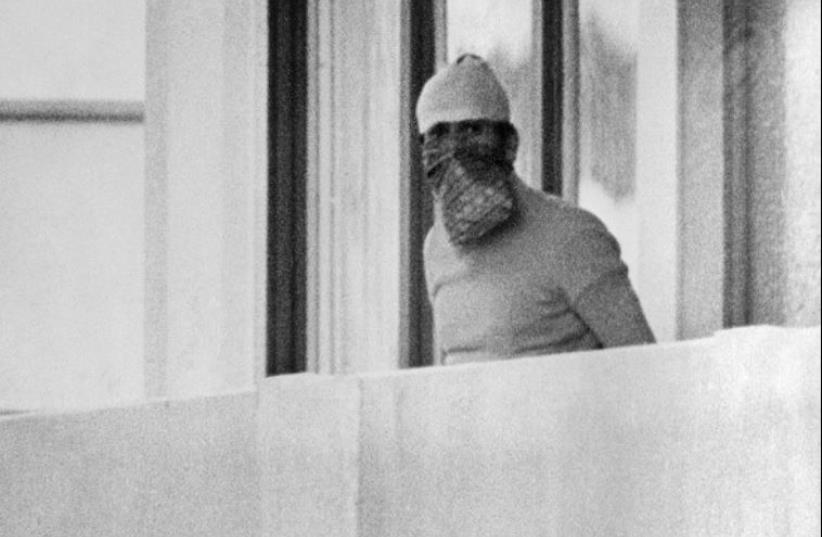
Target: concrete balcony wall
pixel 173 468
pixel 309 446
pixel 714 437
pixel 717 436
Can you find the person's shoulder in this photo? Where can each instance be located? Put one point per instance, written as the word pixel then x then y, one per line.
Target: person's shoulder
pixel 577 219
pixel 561 214
pixel 539 204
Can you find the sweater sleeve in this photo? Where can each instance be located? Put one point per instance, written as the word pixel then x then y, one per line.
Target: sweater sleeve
pixel 596 282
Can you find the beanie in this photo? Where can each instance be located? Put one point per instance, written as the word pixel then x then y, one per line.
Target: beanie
pixel 465 90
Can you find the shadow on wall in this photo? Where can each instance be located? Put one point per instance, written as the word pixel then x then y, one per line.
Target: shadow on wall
pixel 608 74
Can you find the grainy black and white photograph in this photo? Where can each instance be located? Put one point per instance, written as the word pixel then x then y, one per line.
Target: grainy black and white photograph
pixel 394 268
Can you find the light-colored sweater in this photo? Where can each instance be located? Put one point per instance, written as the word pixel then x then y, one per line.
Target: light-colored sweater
pixel 552 282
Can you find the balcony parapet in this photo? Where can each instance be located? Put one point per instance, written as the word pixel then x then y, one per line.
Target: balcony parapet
pixel 704 437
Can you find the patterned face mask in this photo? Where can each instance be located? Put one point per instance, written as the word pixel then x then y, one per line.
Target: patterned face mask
pixel 470 172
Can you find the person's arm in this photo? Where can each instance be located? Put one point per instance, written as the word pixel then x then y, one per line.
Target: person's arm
pixel 611 310
pixel 597 284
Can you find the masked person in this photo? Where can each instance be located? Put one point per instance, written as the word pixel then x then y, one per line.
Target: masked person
pixel 510 271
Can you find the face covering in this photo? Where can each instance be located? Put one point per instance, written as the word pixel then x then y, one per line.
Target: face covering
pixel 471 176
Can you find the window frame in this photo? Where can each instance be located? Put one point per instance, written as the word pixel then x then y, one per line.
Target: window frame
pixel 555 71
pixel 286 288
pixel 420 40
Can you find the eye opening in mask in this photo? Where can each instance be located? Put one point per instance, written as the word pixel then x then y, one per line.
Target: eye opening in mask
pixel 436 132
pixel 469 127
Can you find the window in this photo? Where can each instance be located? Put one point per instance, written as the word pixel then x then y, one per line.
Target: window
pixel 368 211
pixel 366 306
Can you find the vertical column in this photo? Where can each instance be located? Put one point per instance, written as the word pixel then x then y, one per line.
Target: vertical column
pixel 202 230
pixel 782 161
pixel 657 166
pixel 802 199
pixel 155 324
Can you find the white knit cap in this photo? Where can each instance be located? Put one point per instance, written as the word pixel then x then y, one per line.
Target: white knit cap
pixel 466 89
